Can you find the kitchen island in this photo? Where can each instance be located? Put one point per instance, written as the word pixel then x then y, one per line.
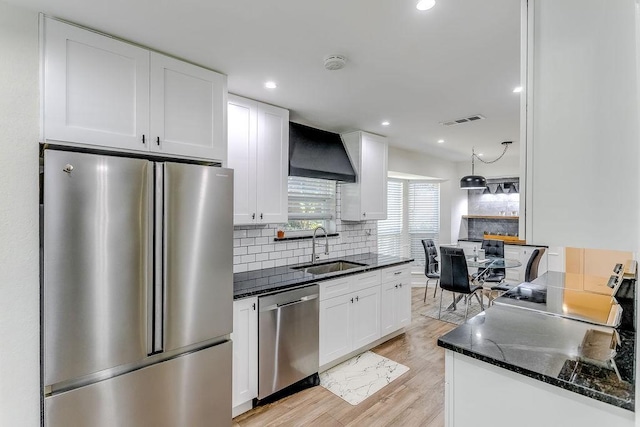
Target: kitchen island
pixel 512 354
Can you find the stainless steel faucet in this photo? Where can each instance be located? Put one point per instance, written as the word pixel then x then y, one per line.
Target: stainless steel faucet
pixel 326 243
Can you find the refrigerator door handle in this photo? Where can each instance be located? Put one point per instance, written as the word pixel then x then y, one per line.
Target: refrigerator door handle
pixel 159 266
pixel 151 230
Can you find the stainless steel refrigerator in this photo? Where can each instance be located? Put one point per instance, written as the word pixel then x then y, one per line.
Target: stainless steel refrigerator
pixel 137 292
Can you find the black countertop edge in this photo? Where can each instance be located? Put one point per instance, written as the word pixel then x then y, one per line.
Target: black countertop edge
pixel 612 400
pixel 506 243
pixel 284 239
pixel 298 283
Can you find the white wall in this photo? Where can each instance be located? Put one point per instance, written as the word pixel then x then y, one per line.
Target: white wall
pixel 453 201
pixel 582 172
pixel 19 271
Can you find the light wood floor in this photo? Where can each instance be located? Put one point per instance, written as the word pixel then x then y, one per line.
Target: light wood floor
pixel 414 399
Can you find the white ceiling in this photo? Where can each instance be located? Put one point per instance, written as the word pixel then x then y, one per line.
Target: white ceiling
pixel 415 69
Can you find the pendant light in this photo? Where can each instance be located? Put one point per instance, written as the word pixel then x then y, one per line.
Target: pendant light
pixel 478 182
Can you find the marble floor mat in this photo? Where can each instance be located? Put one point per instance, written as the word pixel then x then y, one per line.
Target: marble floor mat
pixel 361 376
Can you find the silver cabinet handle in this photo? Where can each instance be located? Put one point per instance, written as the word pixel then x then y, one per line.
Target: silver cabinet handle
pixel 253 215
pixel 260 216
pixel 290 303
pixel 397 272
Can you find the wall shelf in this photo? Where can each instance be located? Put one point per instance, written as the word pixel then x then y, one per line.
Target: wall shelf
pixel 490 217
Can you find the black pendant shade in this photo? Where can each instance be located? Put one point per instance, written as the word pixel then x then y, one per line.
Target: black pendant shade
pixel 477 182
pixel 473 182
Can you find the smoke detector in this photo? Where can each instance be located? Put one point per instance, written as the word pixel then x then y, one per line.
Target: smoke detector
pixel 334 62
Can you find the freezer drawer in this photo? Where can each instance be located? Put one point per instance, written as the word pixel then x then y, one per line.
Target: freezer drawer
pixel 191 390
pixel 97 252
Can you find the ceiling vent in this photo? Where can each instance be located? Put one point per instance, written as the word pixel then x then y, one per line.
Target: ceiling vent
pixel 463 120
pixel 334 62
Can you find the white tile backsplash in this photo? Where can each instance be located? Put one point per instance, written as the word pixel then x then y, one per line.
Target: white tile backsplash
pixel 254 247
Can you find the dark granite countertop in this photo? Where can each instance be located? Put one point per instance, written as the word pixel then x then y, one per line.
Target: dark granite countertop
pixel 548 347
pixel 506 243
pixel 268 280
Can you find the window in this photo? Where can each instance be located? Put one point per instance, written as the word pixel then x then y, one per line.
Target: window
pixel 312 203
pixel 424 216
pixel 413 214
pixel 390 229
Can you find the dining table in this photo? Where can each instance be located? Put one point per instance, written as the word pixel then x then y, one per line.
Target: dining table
pixel 484 266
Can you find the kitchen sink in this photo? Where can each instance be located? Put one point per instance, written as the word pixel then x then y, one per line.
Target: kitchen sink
pixel 328 267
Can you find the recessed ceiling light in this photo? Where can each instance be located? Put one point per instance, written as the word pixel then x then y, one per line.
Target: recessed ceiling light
pixel 385 123
pixel 480 154
pixel 440 141
pixel 270 85
pixel 517 89
pixel 425 4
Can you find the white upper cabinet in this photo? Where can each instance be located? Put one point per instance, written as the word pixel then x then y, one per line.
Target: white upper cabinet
pixel 96 89
pixel 258 151
pixel 367 198
pixel 188 109
pixel 104 92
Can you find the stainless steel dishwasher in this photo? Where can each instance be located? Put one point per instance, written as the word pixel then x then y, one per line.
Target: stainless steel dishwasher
pixel 288 338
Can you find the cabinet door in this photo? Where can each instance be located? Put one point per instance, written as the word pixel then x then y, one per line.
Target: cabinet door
pixel 388 308
pixel 241 147
pixel 272 164
pixel 188 109
pixel 335 335
pixel 366 317
pixel 403 304
pixel 373 180
pixel 515 275
pixel 96 89
pixel 245 350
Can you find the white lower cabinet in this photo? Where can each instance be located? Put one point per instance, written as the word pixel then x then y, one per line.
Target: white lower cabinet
pixel 245 350
pixel 365 321
pixel 348 322
pixel 335 333
pixel 358 310
pixel 349 314
pixel 514 274
pixel 395 301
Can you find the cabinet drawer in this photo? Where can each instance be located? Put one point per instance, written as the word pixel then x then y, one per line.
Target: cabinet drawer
pixel 396 273
pixel 334 288
pixel 364 280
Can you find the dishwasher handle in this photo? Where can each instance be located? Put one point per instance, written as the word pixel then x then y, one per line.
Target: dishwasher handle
pixel 289 303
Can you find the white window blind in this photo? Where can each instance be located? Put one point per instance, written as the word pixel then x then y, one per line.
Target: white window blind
pixel 390 229
pixel 312 202
pixel 424 216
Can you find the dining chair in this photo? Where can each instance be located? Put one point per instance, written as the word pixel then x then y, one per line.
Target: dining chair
pixel 530 273
pixel 454 277
pixel 431 265
pixel 493 248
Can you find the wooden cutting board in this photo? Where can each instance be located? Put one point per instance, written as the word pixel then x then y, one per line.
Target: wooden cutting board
pixel 507 239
